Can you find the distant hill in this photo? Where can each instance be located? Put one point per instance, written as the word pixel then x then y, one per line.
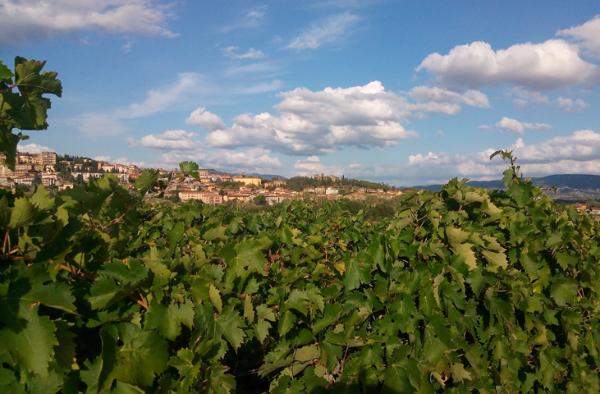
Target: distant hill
pixel 572 181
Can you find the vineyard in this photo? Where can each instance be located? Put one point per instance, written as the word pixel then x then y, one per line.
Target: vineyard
pixel 102 290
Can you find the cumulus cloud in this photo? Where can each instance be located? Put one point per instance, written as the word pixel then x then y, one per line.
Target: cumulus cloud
pixel 34 19
pixel 516 126
pixel 324 31
pixel 205 119
pixel 250 160
pixel 33 148
pixel 321 121
pixel 158 100
pixel 587 35
pixel 578 152
pixel 102 158
pixel 312 165
pixel 436 99
pixel 552 64
pixel 572 105
pixel 169 140
pixel 523 97
pixel 233 52
pixel 316 122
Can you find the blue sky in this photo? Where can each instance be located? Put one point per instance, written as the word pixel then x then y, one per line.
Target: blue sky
pixel 405 92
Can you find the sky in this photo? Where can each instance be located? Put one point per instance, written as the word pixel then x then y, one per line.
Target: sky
pixel 404 92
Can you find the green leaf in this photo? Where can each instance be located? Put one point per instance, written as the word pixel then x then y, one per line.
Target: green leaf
pixel 216 233
pixel 230 323
pixel 33 346
pixel 146 181
pixel 250 254
pixel 215 297
pixel 5 73
pixel 22 213
pixel 466 251
pixel 286 323
pixel 459 373
pixel 496 260
pixel 103 292
pixel 261 329
pixel 143 355
pixel 564 292
pixel 168 320
pixel 55 295
pixel 248 309
pixel 42 199
pixel 352 276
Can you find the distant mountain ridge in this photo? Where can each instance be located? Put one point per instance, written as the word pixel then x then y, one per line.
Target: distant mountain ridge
pixel 573 181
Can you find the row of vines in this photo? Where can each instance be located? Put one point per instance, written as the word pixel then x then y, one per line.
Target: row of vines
pixel 463 290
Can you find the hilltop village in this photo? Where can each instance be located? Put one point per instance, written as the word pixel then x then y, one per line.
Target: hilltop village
pixel 209 186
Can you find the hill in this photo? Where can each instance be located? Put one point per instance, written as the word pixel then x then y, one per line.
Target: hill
pixel 572 181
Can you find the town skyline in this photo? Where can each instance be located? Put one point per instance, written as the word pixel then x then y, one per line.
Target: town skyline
pixel 392 92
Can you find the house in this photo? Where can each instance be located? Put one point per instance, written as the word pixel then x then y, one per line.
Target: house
pixel 331 191
pixel 248 180
pixel 211 198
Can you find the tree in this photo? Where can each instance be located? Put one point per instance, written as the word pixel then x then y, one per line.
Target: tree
pixel 260 200
pixel 189 168
pixel 22 102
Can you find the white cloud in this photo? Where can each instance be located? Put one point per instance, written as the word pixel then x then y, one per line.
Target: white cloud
pixel 516 126
pixel 158 100
pixel 34 19
pixel 233 52
pixel 169 140
pixel 551 64
pixel 33 148
pixel 523 97
pixel 324 31
pixel 578 152
pixel 250 19
pixel 250 160
pixel 436 99
pixel 312 165
pixel 102 158
pixel 322 121
pixel 572 105
pixel 203 118
pixel 473 98
pixel 587 35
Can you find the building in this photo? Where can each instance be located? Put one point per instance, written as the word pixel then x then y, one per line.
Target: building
pixel 49 179
pixel 331 191
pixel 248 180
pixel 211 198
pixel 239 196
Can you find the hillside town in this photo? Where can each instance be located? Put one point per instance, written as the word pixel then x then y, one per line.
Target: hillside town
pixel 209 186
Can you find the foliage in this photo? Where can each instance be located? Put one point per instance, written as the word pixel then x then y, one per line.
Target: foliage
pixel 460 290
pixel 260 200
pixel 189 168
pixel 22 102
pixel 463 290
pixel 299 183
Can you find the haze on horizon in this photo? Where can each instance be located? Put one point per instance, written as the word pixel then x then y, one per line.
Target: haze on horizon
pixel 404 92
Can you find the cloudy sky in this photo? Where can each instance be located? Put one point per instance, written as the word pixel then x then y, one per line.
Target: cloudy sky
pixel 406 92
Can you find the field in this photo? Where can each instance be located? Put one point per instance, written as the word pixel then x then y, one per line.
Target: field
pixel 459 290
pixel 105 290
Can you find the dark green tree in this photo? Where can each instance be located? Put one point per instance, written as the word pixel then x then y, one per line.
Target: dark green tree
pixel 22 102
